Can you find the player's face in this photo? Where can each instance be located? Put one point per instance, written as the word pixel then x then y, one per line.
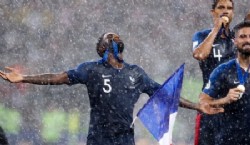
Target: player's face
pixel 108 37
pixel 224 8
pixel 242 40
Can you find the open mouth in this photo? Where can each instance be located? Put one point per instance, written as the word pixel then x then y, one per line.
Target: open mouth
pixel 246 45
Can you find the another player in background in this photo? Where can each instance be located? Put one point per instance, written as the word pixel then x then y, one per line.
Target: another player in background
pixel 229 86
pixel 211 47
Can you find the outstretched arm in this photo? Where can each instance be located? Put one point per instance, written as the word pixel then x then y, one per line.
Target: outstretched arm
pixel 201 107
pixel 42 79
pixel 188 104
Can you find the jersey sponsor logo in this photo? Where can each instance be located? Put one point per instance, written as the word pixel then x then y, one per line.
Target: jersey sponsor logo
pixel 208 85
pixel 106 76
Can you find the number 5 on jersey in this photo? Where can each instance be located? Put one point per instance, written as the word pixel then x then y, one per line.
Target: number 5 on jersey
pixel 107 87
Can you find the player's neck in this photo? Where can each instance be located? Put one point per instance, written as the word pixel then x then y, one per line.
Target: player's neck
pixel 115 63
pixel 227 32
pixel 244 61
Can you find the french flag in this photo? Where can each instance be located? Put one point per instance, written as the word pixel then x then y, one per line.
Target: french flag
pixel 159 113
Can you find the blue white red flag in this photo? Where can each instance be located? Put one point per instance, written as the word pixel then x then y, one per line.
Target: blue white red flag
pixel 158 114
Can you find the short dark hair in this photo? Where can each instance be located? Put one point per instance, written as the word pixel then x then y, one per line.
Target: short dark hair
pixel 247 17
pixel 241 25
pixel 215 2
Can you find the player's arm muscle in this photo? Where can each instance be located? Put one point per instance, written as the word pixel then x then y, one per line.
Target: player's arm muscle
pixel 47 79
pixel 203 50
pixel 188 104
pixel 204 98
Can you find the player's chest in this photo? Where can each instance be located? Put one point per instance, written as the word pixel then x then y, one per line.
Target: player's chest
pixel 110 80
pixel 234 80
pixel 222 49
pixel 242 104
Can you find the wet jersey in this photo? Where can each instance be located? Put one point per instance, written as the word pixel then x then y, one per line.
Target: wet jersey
pixel 222 51
pixel 112 94
pixel 234 125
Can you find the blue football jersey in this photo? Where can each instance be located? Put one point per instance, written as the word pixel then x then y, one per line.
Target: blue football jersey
pixel 234 125
pixel 112 94
pixel 222 51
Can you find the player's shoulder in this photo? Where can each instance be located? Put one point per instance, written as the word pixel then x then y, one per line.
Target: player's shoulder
pixel 226 66
pixel 134 67
pixel 203 32
pixel 89 64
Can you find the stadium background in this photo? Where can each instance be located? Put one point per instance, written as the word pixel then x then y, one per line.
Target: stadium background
pixel 39 36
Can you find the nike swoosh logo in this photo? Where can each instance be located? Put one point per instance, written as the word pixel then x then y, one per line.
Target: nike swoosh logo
pixel 215 45
pixel 106 76
pixel 236 82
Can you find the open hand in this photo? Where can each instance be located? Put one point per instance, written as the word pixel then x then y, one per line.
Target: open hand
pixel 13 75
pixel 208 109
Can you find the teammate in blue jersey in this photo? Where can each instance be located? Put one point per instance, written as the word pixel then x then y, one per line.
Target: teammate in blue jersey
pixel 114 87
pixel 229 86
pixel 212 47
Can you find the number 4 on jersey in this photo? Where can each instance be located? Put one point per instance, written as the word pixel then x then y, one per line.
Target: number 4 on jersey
pixel 217 53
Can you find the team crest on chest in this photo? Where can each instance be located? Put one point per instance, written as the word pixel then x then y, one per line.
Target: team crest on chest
pixel 132 80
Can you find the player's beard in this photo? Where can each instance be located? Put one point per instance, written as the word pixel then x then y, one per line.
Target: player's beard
pixel 246 51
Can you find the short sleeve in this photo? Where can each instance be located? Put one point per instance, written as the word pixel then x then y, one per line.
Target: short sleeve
pixel 79 74
pixel 199 37
pixel 216 83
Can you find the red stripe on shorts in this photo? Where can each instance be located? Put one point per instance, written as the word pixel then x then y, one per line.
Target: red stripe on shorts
pixel 197 129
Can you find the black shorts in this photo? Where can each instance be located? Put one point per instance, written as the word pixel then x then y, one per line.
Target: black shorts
pixel 3 139
pixel 207 129
pixel 235 132
pixel 124 138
